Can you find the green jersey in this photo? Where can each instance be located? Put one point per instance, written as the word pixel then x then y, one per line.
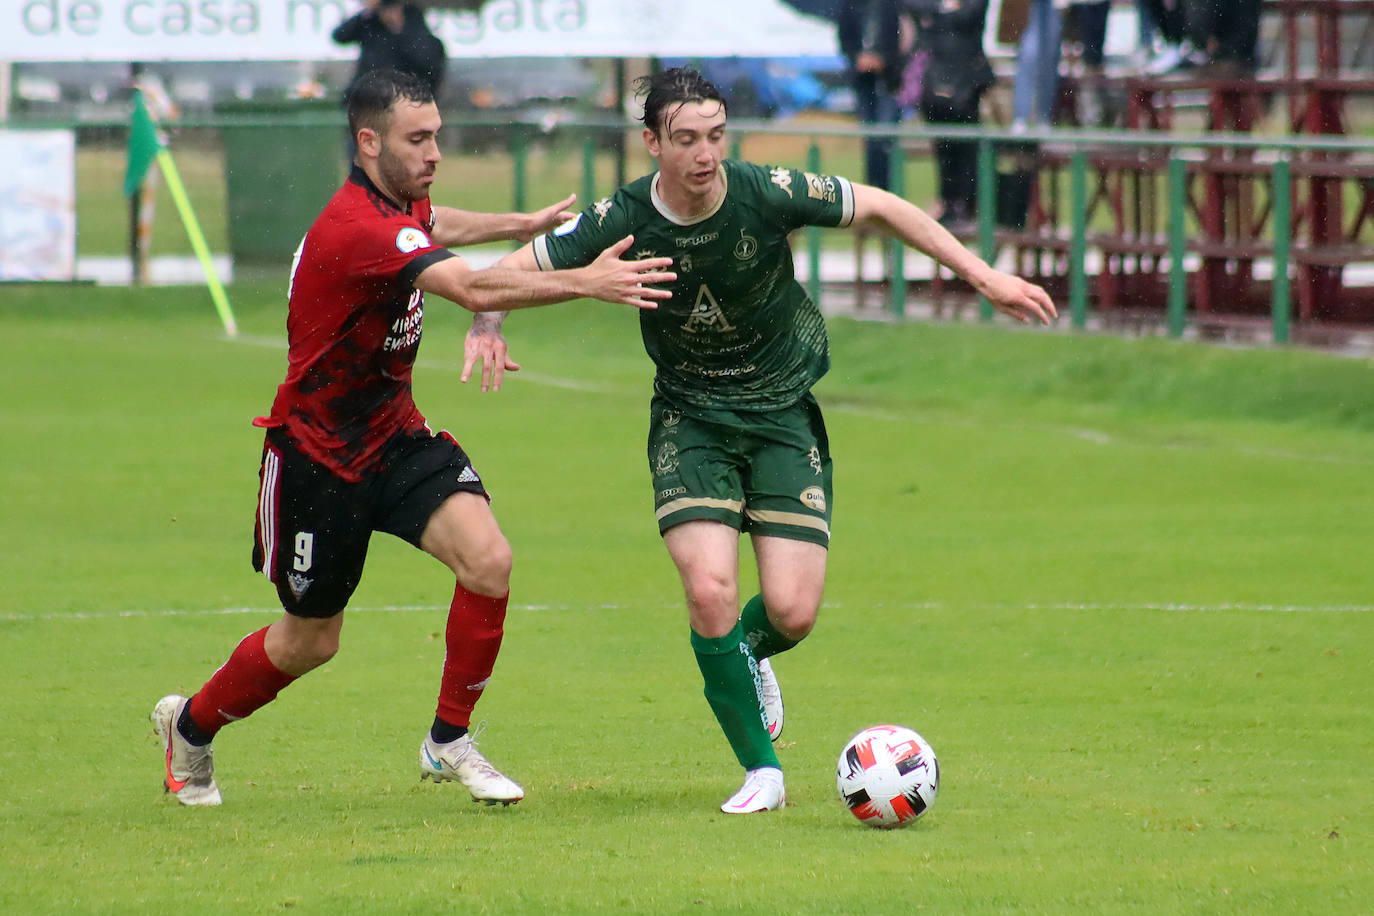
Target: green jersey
pixel 740 333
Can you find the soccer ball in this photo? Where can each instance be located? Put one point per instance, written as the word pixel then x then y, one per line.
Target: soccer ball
pixel 888 776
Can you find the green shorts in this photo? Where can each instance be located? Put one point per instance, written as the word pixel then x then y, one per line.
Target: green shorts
pixel 766 473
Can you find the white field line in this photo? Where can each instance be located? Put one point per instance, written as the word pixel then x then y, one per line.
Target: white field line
pixel 1145 606
pixel 1097 437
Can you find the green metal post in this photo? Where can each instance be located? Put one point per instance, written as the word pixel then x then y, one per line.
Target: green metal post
pixel 519 153
pixel 1283 177
pixel 1078 240
pixel 896 248
pixel 813 234
pixel 1178 202
pixel 735 141
pixel 588 171
pixel 987 213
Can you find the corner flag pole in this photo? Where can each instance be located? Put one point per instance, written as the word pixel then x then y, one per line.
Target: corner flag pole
pixel 188 218
pixel 145 145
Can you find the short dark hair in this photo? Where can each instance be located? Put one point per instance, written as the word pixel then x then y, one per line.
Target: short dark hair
pixel 673 87
pixel 370 98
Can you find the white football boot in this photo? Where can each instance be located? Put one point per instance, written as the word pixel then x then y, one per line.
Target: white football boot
pixel 460 761
pixel 771 694
pixel 762 791
pixel 190 769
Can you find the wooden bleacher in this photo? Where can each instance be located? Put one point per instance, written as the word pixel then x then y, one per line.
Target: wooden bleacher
pixel 1228 190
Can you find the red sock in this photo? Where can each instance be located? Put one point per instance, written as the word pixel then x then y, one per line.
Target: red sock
pixel 245 683
pixel 472 638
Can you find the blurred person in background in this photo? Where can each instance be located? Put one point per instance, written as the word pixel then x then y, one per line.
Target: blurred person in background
pixel 1036 84
pixel 1090 23
pixel 1228 31
pixel 348 453
pixel 393 35
pixel 872 41
pixel 956 76
pixel 737 443
pixel 1208 38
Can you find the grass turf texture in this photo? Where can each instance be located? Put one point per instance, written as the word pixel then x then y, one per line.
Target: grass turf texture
pixel 1122 587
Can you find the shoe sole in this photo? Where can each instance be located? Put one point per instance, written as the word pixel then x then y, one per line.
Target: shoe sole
pixel 489 802
pixel 782 803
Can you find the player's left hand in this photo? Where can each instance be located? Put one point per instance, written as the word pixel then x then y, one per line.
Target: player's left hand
pixel 549 218
pixel 488 347
pixel 1019 298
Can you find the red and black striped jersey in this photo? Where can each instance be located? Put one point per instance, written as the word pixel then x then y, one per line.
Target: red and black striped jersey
pixel 353 327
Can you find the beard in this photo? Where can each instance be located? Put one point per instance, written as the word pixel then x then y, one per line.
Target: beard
pixel 396 177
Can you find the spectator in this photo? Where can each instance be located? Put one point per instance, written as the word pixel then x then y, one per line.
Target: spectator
pixel 1090 22
pixel 956 76
pixel 392 35
pixel 1037 66
pixel 870 35
pixel 1229 31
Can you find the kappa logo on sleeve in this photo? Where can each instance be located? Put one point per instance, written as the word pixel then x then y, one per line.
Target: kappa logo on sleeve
pixel 411 239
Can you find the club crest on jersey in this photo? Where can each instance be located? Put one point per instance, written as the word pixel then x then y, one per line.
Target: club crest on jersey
pixel 746 247
pixel 411 239
pixel 782 178
pixel 706 313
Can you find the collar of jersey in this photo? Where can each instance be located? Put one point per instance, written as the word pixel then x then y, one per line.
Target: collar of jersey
pixel 672 217
pixel 359 177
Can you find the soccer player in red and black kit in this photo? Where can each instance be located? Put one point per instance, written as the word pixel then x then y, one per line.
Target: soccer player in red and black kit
pixel 347 452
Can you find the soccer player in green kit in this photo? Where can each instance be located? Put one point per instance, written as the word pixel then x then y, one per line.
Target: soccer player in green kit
pixel 736 439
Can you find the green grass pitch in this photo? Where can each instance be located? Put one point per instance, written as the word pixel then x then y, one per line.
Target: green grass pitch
pixel 1123 587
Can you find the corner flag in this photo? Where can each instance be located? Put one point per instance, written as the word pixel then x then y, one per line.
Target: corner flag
pixel 144 145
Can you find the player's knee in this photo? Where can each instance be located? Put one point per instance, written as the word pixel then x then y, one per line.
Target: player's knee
pixel 793 617
pixel 296 650
pixel 321 649
pixel 487 571
pixel 713 603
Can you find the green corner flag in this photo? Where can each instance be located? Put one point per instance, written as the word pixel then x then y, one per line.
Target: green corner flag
pixel 144 145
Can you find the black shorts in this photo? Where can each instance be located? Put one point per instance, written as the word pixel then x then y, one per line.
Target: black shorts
pixel 313 526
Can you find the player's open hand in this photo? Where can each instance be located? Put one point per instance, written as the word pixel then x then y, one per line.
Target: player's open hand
pixel 1019 298
pixel 484 343
pixel 612 279
pixel 548 219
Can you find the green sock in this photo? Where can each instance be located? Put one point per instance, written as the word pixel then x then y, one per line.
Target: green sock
pixel 763 639
pixel 731 675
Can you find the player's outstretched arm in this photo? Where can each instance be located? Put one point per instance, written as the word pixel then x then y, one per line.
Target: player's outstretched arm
pixel 1010 294
pixel 484 342
pixel 609 278
pixel 454 228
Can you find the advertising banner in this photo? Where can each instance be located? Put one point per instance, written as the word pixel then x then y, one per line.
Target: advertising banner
pixel 37 205
pixel 190 30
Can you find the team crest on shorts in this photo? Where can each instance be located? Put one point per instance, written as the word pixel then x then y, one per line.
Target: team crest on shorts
pixel 813 498
pixel 665 462
pixel 299 584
